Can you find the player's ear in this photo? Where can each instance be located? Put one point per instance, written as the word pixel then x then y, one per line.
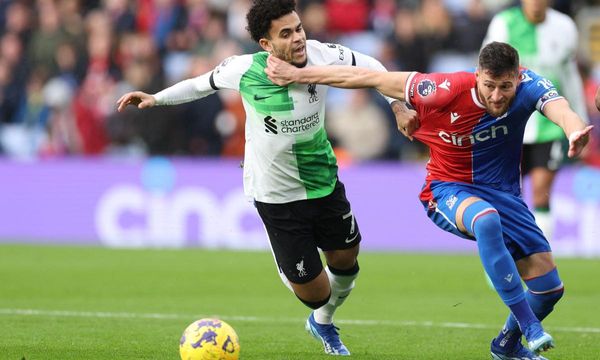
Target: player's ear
pixel 265 44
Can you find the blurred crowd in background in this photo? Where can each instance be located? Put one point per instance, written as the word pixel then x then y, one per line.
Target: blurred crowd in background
pixel 64 63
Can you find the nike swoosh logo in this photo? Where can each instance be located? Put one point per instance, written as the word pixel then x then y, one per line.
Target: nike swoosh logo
pixel 258 97
pixel 352 239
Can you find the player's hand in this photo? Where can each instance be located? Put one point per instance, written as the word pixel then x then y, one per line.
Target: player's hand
pixel 598 99
pixel 406 119
pixel 280 72
pixel 577 141
pixel 136 98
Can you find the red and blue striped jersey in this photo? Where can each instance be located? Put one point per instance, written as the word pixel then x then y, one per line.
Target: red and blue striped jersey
pixel 466 144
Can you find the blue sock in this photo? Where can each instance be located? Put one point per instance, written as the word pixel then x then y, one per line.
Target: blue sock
pixel 522 312
pixel 543 293
pixel 482 220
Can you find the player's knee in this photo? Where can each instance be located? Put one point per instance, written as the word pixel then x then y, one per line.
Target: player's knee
pixel 487 225
pixel 481 218
pixel 342 259
pixel 315 304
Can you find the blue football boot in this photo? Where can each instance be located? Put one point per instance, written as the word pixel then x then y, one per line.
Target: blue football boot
pixel 517 352
pixel 328 335
pixel 537 339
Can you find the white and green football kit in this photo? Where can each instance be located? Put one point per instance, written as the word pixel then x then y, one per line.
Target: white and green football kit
pixel 549 49
pixel 287 154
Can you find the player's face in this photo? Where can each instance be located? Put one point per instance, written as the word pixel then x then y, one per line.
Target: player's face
pixel 287 40
pixel 496 93
pixel 535 10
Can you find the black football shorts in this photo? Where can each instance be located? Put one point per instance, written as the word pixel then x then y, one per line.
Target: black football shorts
pixel 297 229
pixel 548 155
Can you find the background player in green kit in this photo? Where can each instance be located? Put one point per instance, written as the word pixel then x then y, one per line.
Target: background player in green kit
pixel 547 42
pixel 290 170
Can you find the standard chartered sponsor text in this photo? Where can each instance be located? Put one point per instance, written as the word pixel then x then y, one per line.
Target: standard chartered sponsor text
pixel 300 125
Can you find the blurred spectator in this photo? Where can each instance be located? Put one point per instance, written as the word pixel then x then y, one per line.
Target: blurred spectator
pixel 16 17
pixel 13 76
pixel 315 21
pixel 96 50
pixel 382 17
pixel 46 38
pixel 592 154
pixel 62 134
pixel 121 15
pixel 410 45
pixel 236 20
pixel 160 17
pixel 94 100
pixel 347 15
pixel 199 133
pixel 359 128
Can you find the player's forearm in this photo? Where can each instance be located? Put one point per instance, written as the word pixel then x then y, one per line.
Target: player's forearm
pixel 371 63
pixel 350 77
pixel 570 122
pixel 573 123
pixel 560 113
pixel 347 77
pixel 185 91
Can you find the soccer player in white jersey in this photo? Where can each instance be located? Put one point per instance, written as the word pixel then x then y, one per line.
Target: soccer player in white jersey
pixel 290 170
pixel 547 42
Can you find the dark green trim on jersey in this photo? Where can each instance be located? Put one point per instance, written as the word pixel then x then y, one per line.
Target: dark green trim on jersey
pixel 317 165
pixel 260 92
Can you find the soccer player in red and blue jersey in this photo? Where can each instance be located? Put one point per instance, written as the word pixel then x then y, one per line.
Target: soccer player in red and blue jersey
pixel 473 124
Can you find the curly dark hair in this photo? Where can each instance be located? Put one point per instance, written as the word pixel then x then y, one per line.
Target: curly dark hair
pixel 263 12
pixel 499 58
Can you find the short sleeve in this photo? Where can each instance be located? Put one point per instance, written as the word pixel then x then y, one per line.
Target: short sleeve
pixel 430 90
pixel 329 54
pixel 539 90
pixel 228 73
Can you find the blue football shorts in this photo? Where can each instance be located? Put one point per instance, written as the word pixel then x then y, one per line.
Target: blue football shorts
pixel 521 234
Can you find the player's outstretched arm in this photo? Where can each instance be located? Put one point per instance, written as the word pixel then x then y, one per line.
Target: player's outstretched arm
pixel 348 77
pixel 182 92
pixel 136 98
pixel 577 132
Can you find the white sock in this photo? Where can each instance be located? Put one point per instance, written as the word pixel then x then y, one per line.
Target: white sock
pixel 546 223
pixel 341 286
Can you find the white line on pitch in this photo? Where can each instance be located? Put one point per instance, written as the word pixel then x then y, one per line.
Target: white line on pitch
pixel 159 316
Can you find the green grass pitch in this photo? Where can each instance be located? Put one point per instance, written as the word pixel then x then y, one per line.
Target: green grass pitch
pixel 94 303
